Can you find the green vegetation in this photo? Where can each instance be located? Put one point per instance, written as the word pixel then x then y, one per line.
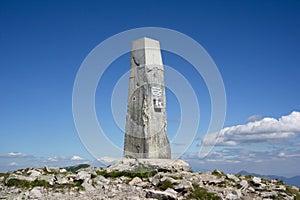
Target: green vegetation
pixel 200 193
pixel 26 184
pixel 47 172
pixel 217 173
pixel 238 186
pixel 129 174
pixel 140 172
pixel 249 176
pixel 175 177
pixel 290 191
pixel 163 185
pixel 73 169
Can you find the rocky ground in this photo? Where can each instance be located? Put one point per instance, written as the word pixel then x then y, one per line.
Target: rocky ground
pixel 143 179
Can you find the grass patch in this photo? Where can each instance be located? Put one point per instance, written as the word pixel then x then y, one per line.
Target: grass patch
pixel 217 173
pixel 27 184
pixel 42 183
pixel 249 177
pixel 140 172
pixel 200 193
pixel 73 169
pixel 238 186
pixel 163 185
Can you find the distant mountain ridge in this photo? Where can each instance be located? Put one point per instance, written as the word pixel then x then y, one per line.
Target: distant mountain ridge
pixel 290 181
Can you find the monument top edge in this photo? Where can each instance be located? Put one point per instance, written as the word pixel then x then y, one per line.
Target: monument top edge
pixel 145 42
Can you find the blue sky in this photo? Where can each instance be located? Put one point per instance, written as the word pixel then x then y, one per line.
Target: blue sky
pixel 255 45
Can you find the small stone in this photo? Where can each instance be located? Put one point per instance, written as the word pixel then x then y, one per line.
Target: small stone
pixel 135 181
pixel 166 178
pixel 154 180
pixel 280 188
pixel 171 191
pixel 160 195
pixel 256 180
pixel 60 179
pixel 231 196
pixel 62 170
pixel 233 177
pixel 100 180
pixel 34 173
pixel 87 186
pixel 269 194
pixel 184 186
pixel 35 193
pixel 295 188
pixel 83 175
pixel 244 184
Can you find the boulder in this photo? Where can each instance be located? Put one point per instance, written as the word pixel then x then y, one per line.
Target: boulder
pixel 155 179
pixel 171 180
pixel 164 195
pixel 184 186
pixel 61 179
pixel 62 170
pixel 233 177
pixel 83 175
pixel 244 184
pixel 256 181
pixel 34 173
pixel 87 186
pixel 135 181
pixel 231 196
pixel 101 180
pixel 35 193
pixel 269 194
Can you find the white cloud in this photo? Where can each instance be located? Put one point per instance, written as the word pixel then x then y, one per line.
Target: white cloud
pixel 108 160
pixel 15 154
pixel 54 159
pixel 77 158
pixel 262 130
pixel 13 164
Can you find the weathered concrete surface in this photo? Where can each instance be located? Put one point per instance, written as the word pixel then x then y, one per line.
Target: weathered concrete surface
pixel 146 112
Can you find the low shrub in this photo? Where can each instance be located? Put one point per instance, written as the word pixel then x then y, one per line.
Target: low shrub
pixel 200 193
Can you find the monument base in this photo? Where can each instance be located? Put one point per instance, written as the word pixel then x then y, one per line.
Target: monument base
pixel 163 165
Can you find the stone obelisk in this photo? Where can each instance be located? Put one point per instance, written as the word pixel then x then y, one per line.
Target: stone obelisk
pixel 146 135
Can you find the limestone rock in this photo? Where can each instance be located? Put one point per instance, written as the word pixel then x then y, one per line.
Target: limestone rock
pixel 165 195
pixel 61 179
pixel 244 184
pixel 256 181
pixel 269 194
pixel 83 175
pixel 36 193
pixel 135 181
pixel 34 173
pixel 151 164
pixel 233 177
pixel 101 180
pixel 184 184
pixel 87 186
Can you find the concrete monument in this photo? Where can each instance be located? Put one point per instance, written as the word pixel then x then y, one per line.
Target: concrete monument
pixel 146 135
